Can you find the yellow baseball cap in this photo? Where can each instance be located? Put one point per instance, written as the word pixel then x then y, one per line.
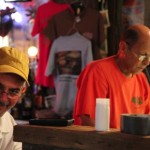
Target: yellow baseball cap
pixel 14 61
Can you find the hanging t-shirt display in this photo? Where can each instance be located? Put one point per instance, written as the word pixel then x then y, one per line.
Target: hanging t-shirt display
pixel 68 56
pixel 40 23
pixel 87 21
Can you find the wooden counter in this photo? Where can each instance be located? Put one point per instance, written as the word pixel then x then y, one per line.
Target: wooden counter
pixel 77 138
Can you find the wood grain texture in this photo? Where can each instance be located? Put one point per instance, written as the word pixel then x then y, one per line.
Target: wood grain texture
pixel 79 138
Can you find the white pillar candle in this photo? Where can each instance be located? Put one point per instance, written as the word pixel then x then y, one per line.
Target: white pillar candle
pixel 102 114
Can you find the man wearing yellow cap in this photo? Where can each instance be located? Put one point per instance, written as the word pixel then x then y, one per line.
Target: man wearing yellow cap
pixel 14 70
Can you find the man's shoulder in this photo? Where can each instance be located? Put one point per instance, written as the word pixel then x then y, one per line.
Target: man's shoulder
pixel 8 118
pixel 102 62
pixel 7 122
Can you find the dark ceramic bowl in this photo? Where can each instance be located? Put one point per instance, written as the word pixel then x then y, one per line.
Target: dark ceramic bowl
pixel 137 124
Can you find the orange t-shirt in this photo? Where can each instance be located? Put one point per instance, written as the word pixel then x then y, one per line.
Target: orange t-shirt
pixel 103 79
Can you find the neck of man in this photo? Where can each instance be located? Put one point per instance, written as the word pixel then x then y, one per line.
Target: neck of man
pixel 121 65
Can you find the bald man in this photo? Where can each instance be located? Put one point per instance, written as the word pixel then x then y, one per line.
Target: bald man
pixel 119 78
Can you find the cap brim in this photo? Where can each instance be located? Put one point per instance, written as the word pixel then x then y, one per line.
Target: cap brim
pixel 10 69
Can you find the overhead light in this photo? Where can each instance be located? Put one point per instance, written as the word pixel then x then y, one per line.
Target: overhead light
pixel 32 51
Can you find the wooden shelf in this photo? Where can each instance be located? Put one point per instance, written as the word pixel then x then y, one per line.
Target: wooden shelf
pixel 79 137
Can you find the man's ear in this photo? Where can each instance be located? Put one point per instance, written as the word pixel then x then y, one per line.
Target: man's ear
pixel 123 47
pixel 24 89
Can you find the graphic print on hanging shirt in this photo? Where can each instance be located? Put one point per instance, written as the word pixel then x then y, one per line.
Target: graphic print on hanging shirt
pixel 68 62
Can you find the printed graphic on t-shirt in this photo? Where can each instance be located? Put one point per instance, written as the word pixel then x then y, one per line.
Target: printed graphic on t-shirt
pixel 137 100
pixel 137 104
pixel 68 62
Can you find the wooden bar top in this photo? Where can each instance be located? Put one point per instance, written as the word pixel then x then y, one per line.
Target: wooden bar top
pixel 79 137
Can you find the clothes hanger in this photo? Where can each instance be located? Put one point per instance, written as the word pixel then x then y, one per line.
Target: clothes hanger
pixel 102 4
pixel 77 6
pixel 73 29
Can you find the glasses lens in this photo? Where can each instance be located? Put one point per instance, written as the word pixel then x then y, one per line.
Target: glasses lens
pixel 141 58
pixel 12 93
pixel 144 57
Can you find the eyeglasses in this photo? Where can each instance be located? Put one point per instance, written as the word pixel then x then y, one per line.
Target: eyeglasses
pixel 141 57
pixel 12 93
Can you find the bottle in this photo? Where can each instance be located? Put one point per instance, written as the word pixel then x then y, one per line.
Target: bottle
pixel 102 114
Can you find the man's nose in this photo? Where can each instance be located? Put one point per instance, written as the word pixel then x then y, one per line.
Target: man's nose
pixel 4 96
pixel 4 101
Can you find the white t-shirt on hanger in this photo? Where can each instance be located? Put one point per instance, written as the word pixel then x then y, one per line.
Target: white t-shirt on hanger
pixel 68 56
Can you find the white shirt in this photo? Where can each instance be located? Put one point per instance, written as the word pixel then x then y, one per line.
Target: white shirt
pixel 6 133
pixel 68 50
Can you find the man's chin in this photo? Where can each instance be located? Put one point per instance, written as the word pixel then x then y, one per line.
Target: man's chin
pixel 2 112
pixel 137 71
